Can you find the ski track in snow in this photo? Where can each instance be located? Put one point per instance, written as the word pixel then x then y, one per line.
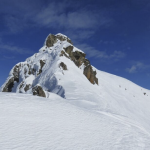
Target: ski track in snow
pixel 31 122
pixel 125 121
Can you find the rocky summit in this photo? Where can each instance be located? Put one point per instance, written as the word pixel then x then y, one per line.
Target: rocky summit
pixel 40 74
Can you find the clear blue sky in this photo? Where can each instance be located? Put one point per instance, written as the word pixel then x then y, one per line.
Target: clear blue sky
pixel 115 34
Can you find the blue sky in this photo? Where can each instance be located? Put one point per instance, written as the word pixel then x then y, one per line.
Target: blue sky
pixel 114 34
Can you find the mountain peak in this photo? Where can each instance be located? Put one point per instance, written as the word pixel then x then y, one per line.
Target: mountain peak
pixel 41 73
pixel 52 39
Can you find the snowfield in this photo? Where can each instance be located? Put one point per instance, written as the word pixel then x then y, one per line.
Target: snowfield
pixel 76 114
pixel 30 122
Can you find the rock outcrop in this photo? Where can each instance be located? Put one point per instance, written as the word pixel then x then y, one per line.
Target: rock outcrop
pixel 16 72
pixel 42 63
pixel 79 58
pixel 52 39
pixel 64 67
pixel 37 90
pixel 63 38
pixel 90 74
pixel 27 87
pixel 39 74
pixel 9 85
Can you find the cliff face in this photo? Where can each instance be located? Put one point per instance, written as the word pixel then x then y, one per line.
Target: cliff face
pixel 37 75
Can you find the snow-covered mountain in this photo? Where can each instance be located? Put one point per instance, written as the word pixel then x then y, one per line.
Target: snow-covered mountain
pixel 94 109
pixel 48 70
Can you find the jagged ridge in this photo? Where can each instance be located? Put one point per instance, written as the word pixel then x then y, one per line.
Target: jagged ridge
pixel 29 76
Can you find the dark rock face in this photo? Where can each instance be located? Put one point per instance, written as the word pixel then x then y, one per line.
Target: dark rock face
pixel 9 85
pixel 79 58
pixel 16 72
pixel 27 87
pixel 64 67
pixel 31 71
pixel 69 50
pixel 37 90
pixel 86 62
pixel 42 63
pixel 90 74
pixel 62 38
pixel 52 39
pixel 63 54
pixel 21 85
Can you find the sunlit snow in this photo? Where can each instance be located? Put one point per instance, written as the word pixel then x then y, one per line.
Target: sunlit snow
pixel 76 115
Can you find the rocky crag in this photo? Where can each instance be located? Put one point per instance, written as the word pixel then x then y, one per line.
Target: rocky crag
pixel 37 75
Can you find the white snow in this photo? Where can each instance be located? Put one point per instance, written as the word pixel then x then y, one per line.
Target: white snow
pixel 60 34
pixel 34 123
pixel 112 115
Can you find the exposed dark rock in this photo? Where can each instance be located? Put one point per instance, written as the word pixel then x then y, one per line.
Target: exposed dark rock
pixel 86 62
pixel 16 72
pixel 31 70
pixel 78 55
pixel 51 40
pixel 21 85
pixel 62 38
pixel 25 71
pixel 27 87
pixel 64 67
pixel 63 54
pixel 87 72
pixel 37 90
pixel 42 63
pixel 79 58
pixel 90 74
pixel 69 50
pixel 9 85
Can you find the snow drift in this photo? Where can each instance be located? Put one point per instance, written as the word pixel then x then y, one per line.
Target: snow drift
pixel 34 123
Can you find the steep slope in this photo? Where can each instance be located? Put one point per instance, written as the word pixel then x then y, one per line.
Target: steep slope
pixel 40 74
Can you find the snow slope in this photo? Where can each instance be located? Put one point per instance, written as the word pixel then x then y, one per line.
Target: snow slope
pixel 30 122
pixel 111 115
